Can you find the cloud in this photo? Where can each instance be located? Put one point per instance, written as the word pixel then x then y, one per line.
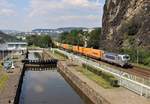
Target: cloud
pixel 29 14
pixel 7 12
pixel 58 13
pixel 80 18
pixel 46 7
pixel 42 7
pixel 6 8
pixel 77 2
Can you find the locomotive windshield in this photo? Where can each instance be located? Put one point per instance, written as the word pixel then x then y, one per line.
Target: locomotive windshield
pixel 126 57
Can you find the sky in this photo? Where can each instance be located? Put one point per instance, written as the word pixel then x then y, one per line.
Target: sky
pixel 25 15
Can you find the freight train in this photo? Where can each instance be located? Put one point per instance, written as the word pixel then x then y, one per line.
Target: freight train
pixel 113 58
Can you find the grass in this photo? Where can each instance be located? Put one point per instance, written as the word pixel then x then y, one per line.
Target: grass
pixel 98 79
pixel 3 80
pixel 1 66
pixel 33 46
pixel 58 55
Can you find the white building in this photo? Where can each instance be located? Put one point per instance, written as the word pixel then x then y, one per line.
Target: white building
pixel 16 46
pixel 88 30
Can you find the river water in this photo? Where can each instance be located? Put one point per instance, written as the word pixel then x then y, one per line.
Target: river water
pixel 48 87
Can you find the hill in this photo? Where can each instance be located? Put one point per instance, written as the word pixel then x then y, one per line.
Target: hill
pixel 5 38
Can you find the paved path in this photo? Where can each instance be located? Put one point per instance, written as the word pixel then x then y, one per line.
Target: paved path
pixel 116 95
pixel 7 94
pixel 9 91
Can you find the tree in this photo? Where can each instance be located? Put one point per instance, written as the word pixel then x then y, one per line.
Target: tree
pixel 82 38
pixel 94 38
pixel 62 37
pixel 72 38
pixel 43 41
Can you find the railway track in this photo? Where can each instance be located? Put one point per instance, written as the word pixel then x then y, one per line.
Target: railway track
pixel 143 72
pixel 140 72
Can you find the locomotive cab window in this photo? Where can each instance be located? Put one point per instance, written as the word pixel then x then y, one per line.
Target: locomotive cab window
pixel 126 57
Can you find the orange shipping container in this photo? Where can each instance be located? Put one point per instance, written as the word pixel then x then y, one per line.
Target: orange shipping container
pixel 81 50
pixel 95 53
pixel 65 46
pixel 86 51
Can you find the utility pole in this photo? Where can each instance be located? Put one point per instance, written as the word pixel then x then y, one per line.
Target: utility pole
pixel 137 51
pixel 137 56
pixel 3 54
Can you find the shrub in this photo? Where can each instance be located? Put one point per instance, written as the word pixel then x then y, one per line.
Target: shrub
pixel 143 56
pixel 147 61
pixel 108 77
pixel 1 66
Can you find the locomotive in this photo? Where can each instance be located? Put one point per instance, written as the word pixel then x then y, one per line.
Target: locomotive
pixel 113 58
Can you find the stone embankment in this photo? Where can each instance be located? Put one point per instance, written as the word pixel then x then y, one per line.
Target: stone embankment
pixel 96 93
pixel 83 86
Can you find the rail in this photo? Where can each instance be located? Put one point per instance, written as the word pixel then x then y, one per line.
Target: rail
pixel 137 87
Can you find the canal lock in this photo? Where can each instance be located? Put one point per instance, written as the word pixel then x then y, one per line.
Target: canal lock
pixel 65 86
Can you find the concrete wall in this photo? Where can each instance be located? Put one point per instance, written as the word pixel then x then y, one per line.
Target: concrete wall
pixel 95 97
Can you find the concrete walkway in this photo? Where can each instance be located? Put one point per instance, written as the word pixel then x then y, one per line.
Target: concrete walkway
pixel 7 94
pixel 115 95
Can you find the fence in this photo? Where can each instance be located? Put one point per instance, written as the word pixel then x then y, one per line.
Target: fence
pixel 125 79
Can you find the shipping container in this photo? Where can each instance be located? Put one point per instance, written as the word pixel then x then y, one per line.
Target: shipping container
pixel 86 51
pixel 81 50
pixel 95 53
pixel 65 46
pixel 75 48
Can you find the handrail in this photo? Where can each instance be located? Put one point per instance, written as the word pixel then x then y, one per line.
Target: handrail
pixel 139 88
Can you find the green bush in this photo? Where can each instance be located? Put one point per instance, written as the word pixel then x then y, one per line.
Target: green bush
pixel 147 61
pixel 108 77
pixel 114 82
pixel 98 72
pixel 1 66
pixel 143 56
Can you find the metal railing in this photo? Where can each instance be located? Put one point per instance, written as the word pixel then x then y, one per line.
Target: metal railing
pixel 123 77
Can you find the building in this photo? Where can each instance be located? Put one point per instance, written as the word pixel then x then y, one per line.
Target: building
pixel 13 46
pixel 16 46
pixel 89 30
pixel 21 37
pixel 7 48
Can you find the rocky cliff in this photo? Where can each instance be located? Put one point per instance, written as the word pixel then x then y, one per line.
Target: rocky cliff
pixel 126 24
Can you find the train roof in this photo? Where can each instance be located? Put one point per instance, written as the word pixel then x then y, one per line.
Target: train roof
pixel 113 54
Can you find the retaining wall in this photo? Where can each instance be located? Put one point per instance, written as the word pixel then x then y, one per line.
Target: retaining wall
pixel 95 97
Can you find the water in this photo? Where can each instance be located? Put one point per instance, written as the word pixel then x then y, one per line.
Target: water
pixel 48 87
pixel 32 56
